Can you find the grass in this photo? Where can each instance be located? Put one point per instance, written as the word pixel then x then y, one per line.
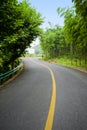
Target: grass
pixel 67 62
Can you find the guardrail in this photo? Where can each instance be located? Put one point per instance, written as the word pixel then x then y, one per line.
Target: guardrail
pixel 10 73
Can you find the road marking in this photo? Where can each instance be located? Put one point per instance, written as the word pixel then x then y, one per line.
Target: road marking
pixel 49 122
pixel 50 117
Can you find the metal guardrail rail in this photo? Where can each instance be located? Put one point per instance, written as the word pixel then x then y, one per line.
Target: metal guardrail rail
pixel 9 73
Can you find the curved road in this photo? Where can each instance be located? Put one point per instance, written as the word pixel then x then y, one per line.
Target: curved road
pixel 25 102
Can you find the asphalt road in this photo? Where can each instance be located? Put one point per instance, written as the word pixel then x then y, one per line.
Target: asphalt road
pixel 25 102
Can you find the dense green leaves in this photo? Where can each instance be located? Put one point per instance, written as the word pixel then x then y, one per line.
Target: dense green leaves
pixel 75 29
pixel 70 40
pixel 19 26
pixel 81 7
pixel 53 41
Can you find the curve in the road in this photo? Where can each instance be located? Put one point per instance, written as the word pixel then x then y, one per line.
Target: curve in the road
pixel 50 117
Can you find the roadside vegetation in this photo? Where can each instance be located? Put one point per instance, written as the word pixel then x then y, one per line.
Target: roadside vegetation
pixel 19 26
pixel 68 45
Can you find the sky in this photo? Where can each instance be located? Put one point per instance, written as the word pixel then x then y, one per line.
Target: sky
pixel 48 9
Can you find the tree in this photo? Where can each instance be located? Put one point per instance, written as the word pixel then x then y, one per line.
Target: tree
pixel 81 7
pixel 81 10
pixel 19 25
pixel 53 42
pixel 75 33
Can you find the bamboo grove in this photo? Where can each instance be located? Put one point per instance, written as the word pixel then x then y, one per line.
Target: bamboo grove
pixel 71 39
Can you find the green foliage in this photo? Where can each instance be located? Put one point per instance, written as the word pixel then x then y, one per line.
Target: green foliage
pixel 81 7
pixel 19 26
pixel 75 27
pixel 53 41
pixel 71 40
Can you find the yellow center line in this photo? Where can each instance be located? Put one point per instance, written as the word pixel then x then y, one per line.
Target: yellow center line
pixel 50 117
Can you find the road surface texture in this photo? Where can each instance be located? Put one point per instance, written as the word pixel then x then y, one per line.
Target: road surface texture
pixel 25 102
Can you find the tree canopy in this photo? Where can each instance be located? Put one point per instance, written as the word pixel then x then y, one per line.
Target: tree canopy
pixel 19 26
pixel 53 41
